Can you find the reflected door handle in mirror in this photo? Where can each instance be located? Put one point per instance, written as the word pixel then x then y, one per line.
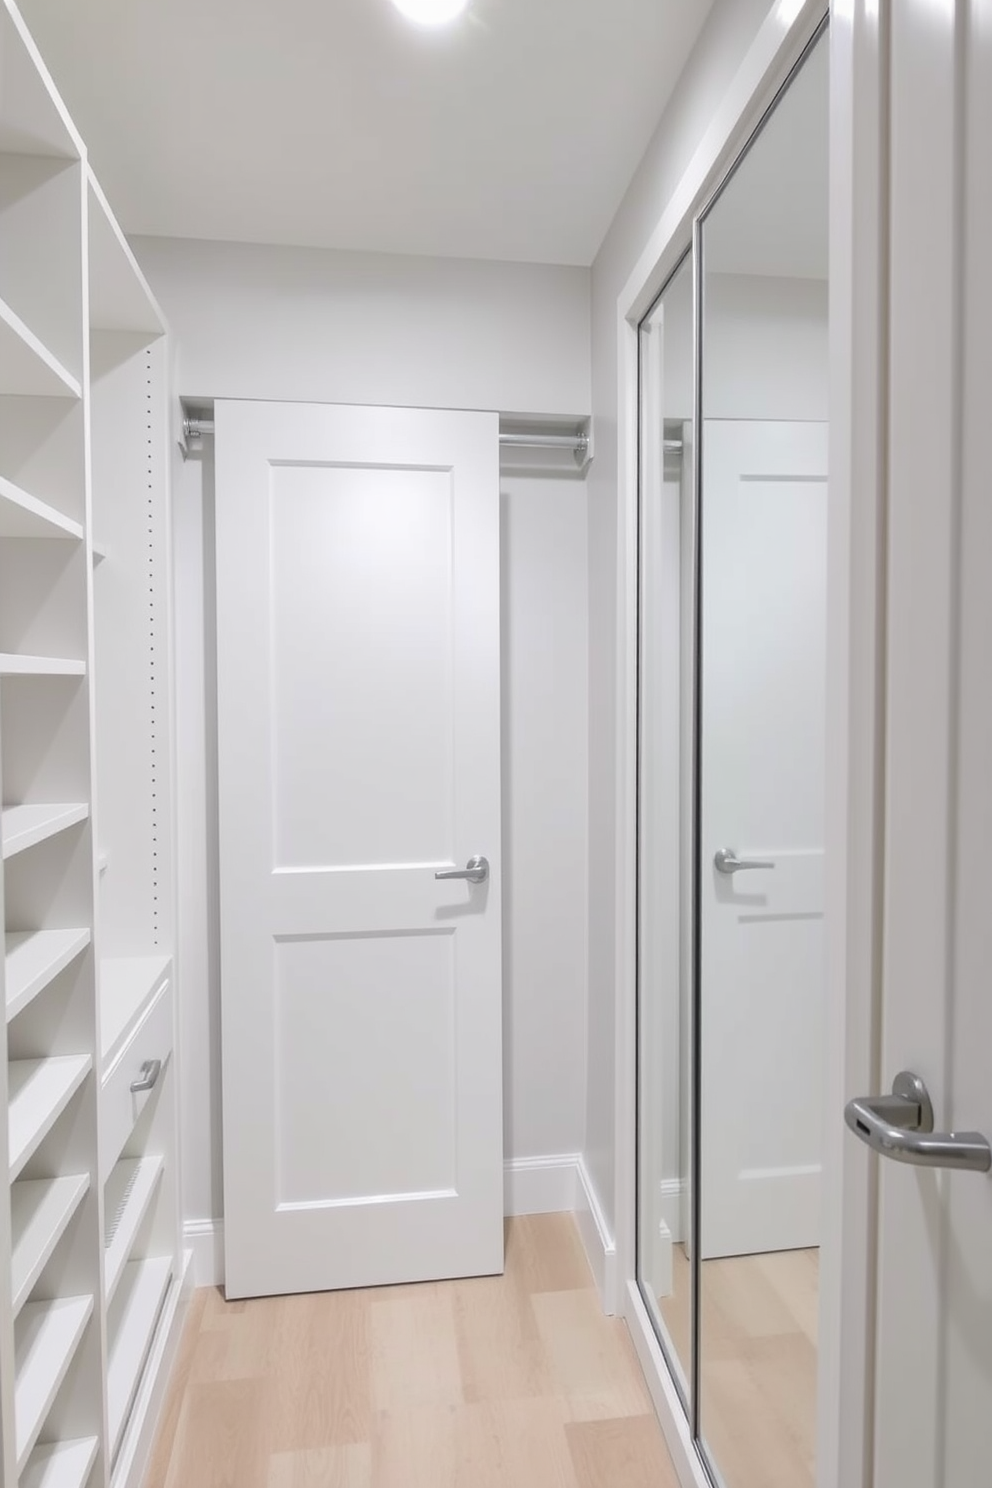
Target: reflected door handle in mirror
pixel 476 871
pixel 727 861
pixel 900 1126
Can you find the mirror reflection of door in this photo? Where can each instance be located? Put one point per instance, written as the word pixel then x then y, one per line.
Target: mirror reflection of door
pixel 762 677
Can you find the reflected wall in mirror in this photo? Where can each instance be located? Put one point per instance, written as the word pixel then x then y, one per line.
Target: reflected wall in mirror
pixel 762 677
pixel 665 824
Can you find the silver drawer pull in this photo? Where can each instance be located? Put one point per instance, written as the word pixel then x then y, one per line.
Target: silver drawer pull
pixel 150 1071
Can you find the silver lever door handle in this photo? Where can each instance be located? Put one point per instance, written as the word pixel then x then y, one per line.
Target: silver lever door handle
pixel 727 861
pixel 150 1071
pixel 900 1126
pixel 476 871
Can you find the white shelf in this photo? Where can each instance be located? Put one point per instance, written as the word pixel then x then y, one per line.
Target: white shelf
pixel 120 299
pixel 47 1336
pixel 99 553
pixel 26 826
pixel 39 1091
pixel 139 1303
pixel 26 364
pixel 128 985
pixel 34 959
pixel 40 1211
pixel 128 1193
pixel 22 515
pixel 33 120
pixel 14 665
pixel 61 1464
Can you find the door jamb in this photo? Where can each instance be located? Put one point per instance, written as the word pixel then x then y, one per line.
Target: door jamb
pixel 855 695
pixel 856 692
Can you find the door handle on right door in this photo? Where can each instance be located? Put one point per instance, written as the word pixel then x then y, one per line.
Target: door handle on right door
pixel 727 861
pixel 900 1126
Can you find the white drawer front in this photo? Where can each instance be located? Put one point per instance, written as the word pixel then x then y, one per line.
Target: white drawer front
pixel 120 1106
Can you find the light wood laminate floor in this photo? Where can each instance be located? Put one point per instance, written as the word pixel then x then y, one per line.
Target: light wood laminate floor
pixel 516 1381
pixel 758 1325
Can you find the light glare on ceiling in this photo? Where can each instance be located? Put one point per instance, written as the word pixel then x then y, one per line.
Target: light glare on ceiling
pixel 430 12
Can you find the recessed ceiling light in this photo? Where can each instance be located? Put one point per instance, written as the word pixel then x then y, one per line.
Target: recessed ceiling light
pixel 430 12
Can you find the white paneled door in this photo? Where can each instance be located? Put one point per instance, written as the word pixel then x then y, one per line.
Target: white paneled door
pixel 359 755
pixel 933 1324
pixel 762 975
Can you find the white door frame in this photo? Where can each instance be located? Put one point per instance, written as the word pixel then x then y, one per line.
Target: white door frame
pixel 855 696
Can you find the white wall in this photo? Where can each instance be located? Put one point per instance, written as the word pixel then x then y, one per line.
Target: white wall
pixel 729 30
pixel 304 324
pixel 278 323
pixel 545 792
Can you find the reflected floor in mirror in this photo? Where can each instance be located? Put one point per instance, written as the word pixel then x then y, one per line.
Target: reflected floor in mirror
pixel 758 1328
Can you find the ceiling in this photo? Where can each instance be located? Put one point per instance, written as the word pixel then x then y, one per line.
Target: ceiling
pixel 335 123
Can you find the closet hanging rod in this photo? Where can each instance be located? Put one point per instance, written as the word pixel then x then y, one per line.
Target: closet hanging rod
pixel 577 443
pixel 196 428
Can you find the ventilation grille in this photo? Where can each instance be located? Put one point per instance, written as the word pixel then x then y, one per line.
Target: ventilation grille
pixel 113 1221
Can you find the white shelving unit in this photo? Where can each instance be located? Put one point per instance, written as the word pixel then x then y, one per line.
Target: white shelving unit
pixel 48 1335
pixel 35 958
pixel 132 1322
pixel 26 826
pixel 61 1464
pixel 22 515
pixel 40 666
pixel 91 1271
pixel 40 1211
pixel 26 364
pixel 38 1092
pixel 129 1192
pixel 128 986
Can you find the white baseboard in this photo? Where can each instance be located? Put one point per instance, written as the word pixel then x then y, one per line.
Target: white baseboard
pixel 540 1185
pixel 599 1244
pixel 531 1185
pixel 205 1238
pixel 556 1184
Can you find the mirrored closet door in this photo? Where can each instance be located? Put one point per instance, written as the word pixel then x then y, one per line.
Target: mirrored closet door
pixel 732 663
